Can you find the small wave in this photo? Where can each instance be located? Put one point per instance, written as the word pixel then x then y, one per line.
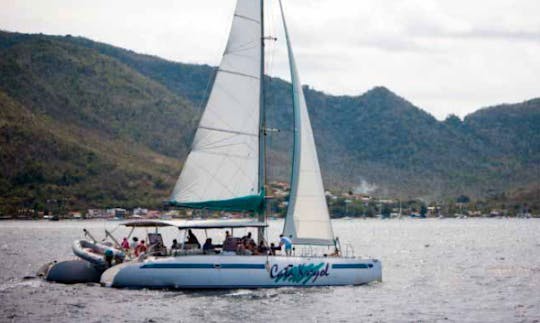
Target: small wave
pixel 34 283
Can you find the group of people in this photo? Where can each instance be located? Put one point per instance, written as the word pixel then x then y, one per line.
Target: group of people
pixel 247 246
pixel 231 245
pixel 135 247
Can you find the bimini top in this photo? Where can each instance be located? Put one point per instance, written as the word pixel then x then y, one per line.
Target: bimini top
pixel 196 224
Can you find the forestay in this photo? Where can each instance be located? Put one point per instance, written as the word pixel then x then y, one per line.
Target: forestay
pixel 307 220
pixel 221 171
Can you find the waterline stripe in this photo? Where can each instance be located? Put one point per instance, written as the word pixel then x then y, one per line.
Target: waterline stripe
pixel 351 266
pixel 202 266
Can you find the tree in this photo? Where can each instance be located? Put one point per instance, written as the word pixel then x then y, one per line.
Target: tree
pixel 463 199
pixel 386 210
pixel 423 210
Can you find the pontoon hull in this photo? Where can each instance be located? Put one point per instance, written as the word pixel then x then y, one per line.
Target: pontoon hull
pixel 198 272
pixel 72 272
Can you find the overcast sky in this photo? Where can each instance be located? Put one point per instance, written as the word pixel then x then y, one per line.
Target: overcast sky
pixel 445 56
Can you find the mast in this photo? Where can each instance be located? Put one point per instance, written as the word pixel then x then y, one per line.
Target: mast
pixel 262 136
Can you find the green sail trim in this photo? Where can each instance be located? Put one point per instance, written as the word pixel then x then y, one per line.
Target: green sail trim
pixel 244 203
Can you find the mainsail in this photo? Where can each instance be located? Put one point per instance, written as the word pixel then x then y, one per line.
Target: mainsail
pixel 308 220
pixel 222 168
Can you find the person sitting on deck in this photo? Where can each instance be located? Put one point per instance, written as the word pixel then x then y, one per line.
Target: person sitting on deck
pixel 273 248
pixel 262 248
pixel 230 244
pixel 336 253
pixel 140 249
pixel 252 246
pixel 159 249
pixel 175 245
pixel 247 237
pixel 192 239
pixel 209 248
pixel 242 249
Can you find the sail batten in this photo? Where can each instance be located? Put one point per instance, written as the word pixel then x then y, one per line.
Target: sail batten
pixel 308 219
pixel 222 168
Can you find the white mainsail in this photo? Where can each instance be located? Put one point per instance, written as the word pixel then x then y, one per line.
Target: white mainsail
pixel 308 219
pixel 222 169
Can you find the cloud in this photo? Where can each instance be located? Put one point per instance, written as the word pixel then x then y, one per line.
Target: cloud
pixel 485 34
pixel 444 56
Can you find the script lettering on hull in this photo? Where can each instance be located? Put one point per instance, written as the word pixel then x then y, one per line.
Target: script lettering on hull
pixel 301 274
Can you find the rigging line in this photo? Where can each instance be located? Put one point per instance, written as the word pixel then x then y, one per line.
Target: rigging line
pixel 229 131
pixel 241 52
pixel 211 147
pixel 212 176
pixel 238 156
pixel 209 152
pixel 247 18
pixel 201 145
pixel 216 111
pixel 237 73
pixel 231 190
pixel 252 44
pixel 244 54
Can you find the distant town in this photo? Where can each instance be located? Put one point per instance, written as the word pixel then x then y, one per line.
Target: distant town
pixel 340 204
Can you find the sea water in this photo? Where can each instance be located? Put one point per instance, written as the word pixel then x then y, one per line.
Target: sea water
pixel 455 270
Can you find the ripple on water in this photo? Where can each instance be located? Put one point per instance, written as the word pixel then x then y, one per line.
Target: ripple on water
pixel 467 270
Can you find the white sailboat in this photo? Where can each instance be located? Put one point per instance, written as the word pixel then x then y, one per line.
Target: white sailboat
pixel 225 170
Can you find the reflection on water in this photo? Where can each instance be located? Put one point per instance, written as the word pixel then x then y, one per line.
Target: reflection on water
pixel 449 269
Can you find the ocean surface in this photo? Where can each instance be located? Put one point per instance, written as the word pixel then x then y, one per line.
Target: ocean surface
pixel 453 270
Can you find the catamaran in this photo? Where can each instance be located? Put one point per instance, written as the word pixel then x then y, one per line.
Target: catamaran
pixel 225 171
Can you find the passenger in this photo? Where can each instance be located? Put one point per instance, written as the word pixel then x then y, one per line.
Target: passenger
pixel 262 249
pixel 175 245
pixel 230 244
pixel 134 243
pixel 209 247
pixel 109 254
pixel 287 243
pixel 247 237
pixel 140 249
pixel 192 239
pixel 250 240
pixel 335 253
pixel 252 246
pixel 242 250
pixel 272 250
pixel 125 244
pixel 159 249
pixel 118 259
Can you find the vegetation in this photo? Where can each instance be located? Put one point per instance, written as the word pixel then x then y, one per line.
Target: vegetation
pixel 99 126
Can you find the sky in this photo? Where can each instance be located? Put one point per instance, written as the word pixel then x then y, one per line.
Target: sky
pixel 445 56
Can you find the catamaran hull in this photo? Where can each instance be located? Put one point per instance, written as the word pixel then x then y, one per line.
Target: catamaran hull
pixel 214 272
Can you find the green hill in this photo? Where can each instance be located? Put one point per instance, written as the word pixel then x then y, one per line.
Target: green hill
pixel 98 125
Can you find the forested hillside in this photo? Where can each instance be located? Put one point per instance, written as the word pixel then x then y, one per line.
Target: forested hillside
pixel 97 125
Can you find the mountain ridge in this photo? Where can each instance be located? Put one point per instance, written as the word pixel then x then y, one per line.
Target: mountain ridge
pixel 150 105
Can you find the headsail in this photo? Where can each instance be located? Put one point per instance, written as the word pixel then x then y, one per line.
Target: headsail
pixel 308 220
pixel 222 169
